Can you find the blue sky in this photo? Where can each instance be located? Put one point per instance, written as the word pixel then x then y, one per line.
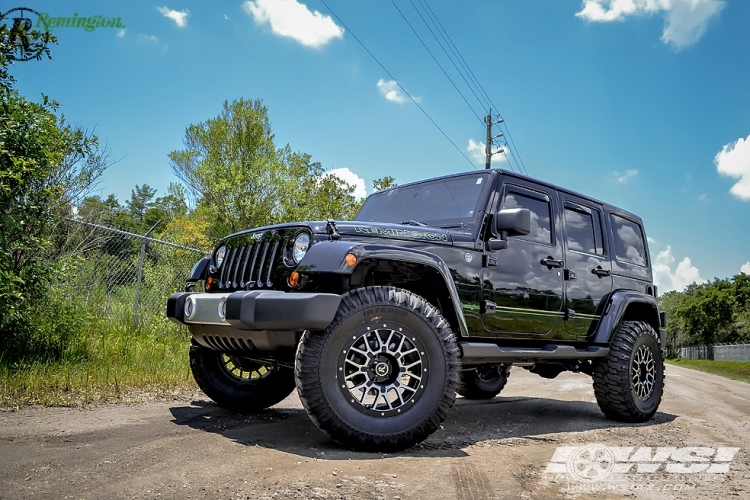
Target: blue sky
pixel 642 103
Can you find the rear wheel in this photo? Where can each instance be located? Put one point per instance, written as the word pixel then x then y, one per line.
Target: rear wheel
pixel 629 382
pixel 484 382
pixel 383 375
pixel 239 383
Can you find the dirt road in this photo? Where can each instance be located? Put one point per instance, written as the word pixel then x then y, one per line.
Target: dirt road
pixel 517 445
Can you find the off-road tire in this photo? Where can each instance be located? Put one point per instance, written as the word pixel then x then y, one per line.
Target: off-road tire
pixel 323 358
pixel 484 382
pixel 617 381
pixel 240 393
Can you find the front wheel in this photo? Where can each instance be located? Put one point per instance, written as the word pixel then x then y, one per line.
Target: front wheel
pixel 383 375
pixel 239 383
pixel 629 382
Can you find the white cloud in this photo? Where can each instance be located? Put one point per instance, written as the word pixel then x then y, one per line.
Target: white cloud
pixel 734 161
pixel 476 151
pixel 149 38
pixel 352 179
pixel 623 178
pixel 684 274
pixel 121 33
pixel 745 268
pixel 685 21
pixel 703 197
pixel 292 19
pixel 391 91
pixel 178 16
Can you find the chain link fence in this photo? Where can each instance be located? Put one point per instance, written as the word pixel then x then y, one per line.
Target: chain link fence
pixel 719 352
pixel 119 273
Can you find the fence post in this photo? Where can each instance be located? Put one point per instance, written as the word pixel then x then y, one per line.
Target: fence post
pixel 144 241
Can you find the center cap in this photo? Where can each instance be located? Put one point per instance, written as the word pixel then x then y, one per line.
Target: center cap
pixel 381 369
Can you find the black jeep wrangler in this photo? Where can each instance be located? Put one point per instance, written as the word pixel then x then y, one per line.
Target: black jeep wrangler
pixel 438 287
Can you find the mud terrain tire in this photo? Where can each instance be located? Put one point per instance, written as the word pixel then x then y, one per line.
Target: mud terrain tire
pixel 238 383
pixel 484 382
pixel 629 382
pixel 383 375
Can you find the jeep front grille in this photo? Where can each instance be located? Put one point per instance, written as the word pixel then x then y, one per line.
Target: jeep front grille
pixel 251 264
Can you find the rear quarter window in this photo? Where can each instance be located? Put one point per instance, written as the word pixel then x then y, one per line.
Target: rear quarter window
pixel 629 241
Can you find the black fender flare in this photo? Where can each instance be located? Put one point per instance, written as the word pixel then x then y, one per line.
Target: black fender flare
pixel 200 269
pixel 616 305
pixel 330 257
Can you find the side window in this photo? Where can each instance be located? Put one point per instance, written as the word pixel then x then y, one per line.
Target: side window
pixel 541 228
pixel 629 244
pixel 579 227
pixel 583 229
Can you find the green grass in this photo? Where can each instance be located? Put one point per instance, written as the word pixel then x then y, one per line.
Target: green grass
pixel 736 370
pixel 109 360
pixel 125 367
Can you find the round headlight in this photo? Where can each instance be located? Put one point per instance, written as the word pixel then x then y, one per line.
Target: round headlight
pixel 220 253
pixel 299 246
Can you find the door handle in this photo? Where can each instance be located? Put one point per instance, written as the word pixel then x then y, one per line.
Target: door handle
pixel 601 272
pixel 551 263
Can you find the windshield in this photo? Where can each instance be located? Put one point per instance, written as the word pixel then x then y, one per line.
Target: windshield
pixel 449 202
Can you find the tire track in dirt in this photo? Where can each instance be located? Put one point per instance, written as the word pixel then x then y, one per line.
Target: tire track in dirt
pixel 469 481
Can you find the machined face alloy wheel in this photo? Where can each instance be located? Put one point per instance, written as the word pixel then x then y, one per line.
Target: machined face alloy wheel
pixel 382 369
pixel 243 370
pixel 643 373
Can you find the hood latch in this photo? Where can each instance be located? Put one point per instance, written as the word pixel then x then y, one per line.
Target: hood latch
pixel 332 231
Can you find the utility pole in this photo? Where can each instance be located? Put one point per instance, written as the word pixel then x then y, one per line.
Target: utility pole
pixel 488 141
pixel 488 147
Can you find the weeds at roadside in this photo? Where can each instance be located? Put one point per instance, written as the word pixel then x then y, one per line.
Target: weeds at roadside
pixel 106 359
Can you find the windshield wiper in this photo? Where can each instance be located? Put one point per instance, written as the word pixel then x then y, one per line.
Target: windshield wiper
pixel 414 223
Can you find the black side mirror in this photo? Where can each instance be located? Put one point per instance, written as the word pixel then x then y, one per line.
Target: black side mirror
pixel 513 221
pixel 510 222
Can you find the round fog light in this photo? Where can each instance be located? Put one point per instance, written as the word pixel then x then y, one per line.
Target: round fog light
pixel 223 309
pixel 189 307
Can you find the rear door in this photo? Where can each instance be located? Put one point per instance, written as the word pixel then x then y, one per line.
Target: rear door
pixel 588 266
pixel 523 283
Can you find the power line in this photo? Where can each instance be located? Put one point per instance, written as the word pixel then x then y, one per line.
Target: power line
pixel 464 64
pixel 435 22
pixel 399 84
pixel 460 56
pixel 435 59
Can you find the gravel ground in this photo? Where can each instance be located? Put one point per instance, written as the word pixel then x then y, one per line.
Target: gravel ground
pixel 532 441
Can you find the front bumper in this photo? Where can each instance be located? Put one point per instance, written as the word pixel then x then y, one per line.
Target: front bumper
pixel 255 310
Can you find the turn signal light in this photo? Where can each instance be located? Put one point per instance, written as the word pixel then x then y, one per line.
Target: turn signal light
pixel 209 282
pixel 351 259
pixel 293 279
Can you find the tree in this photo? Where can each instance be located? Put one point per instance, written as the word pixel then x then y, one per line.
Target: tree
pixel 46 166
pixel 707 312
pixel 140 202
pixel 239 179
pixel 384 183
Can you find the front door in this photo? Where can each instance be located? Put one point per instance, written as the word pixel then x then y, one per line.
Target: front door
pixel 522 285
pixel 588 269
